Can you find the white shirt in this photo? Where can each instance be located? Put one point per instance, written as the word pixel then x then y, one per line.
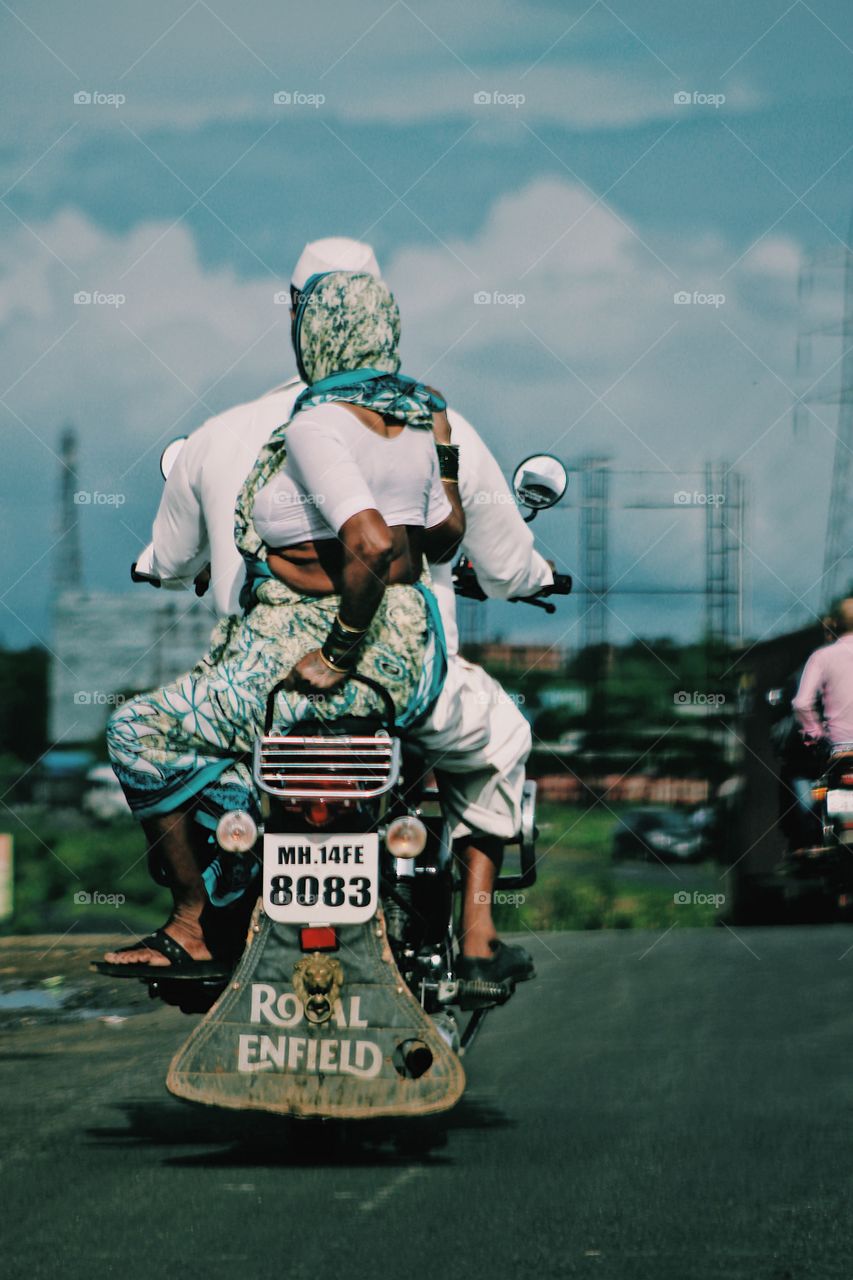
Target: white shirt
pixel 337 467
pixel 195 521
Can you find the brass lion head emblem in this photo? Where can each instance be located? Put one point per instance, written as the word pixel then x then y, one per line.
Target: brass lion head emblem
pixel 317 981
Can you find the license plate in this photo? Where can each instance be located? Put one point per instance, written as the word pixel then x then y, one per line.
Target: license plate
pixel 317 879
pixel 838 801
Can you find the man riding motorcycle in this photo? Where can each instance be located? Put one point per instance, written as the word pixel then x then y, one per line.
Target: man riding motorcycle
pixel 475 738
pixel 823 703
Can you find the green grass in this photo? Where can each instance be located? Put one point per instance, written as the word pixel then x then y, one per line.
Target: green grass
pixel 57 857
pixel 578 885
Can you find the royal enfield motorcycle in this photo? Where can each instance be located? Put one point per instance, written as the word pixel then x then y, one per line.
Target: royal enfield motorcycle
pixel 345 1001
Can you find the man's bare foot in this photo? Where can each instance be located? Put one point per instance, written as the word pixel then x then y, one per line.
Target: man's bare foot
pixel 186 931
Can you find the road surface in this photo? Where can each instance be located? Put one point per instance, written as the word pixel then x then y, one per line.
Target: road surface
pixel 655 1106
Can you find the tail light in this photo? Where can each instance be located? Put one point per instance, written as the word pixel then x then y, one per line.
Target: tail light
pixel 319 813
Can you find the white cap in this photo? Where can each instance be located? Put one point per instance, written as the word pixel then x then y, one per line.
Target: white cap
pixel 337 253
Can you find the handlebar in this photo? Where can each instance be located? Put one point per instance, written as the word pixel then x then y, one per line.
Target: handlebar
pixel 466 585
pixel 137 576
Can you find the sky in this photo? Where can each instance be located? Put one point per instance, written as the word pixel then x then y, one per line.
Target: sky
pixel 578 165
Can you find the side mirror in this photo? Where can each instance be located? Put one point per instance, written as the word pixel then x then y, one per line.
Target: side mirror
pixel 169 456
pixel 539 482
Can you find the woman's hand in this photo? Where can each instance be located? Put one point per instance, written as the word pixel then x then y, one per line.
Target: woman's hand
pixel 312 675
pixel 202 580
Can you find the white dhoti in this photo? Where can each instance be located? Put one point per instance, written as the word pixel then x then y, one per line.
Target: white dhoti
pixel 477 741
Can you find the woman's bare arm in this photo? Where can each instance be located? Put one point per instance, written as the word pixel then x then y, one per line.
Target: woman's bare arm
pixel 442 541
pixel 367 555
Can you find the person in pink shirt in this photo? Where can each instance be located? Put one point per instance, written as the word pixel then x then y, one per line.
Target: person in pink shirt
pixel 823 703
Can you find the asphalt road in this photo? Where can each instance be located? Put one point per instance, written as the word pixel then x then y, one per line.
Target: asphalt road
pixel 653 1106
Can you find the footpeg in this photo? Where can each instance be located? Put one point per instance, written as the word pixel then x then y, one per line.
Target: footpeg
pixel 475 993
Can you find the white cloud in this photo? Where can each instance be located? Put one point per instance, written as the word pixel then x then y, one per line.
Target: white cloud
pixel 694 382
pixel 681 383
pixel 775 256
pixel 576 95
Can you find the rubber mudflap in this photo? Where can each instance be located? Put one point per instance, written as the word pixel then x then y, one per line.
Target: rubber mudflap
pixel 332 1034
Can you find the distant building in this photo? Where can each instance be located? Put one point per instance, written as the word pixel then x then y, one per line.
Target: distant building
pixel 521 658
pixel 107 647
pixel 634 788
pixel 571 697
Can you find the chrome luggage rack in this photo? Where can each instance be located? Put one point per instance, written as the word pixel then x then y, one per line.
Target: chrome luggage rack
pixel 326 768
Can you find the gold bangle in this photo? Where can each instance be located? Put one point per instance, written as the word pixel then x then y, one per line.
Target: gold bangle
pixel 340 670
pixel 449 480
pixel 356 631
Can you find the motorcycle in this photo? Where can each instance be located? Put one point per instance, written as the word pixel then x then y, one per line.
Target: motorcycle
pixel 345 1001
pixel 816 803
pixel 831 861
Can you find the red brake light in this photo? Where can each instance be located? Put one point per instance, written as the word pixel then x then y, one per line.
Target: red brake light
pixel 318 812
pixel 318 938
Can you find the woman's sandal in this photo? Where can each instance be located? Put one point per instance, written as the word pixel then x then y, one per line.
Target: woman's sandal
pixel 181 963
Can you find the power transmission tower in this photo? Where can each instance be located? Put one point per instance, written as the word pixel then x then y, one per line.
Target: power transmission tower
pixel 838 548
pixel 594 531
pixel 67 560
pixel 724 514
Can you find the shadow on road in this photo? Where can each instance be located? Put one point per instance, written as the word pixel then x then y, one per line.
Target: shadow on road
pixel 253 1139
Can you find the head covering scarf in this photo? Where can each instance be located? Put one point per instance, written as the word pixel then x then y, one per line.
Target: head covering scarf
pixel 346 329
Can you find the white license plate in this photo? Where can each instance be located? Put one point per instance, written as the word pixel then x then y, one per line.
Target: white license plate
pixel 321 879
pixel 838 801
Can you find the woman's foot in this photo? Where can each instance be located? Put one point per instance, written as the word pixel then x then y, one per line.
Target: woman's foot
pixel 185 931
